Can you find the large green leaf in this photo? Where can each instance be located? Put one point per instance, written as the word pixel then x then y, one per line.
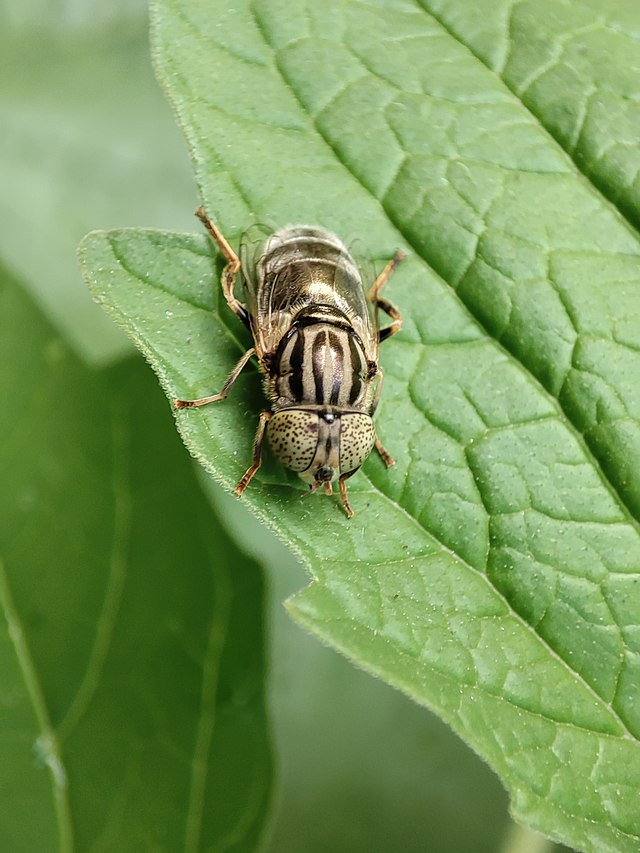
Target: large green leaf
pixel 493 574
pixel 131 654
pixel 557 58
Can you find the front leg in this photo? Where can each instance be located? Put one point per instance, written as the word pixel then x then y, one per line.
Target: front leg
pixel 257 454
pixel 343 495
pixel 388 460
pixel 231 269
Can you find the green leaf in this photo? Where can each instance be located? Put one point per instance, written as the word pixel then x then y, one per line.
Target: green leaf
pixel 131 645
pixel 493 573
pixel 557 59
pixel 387 773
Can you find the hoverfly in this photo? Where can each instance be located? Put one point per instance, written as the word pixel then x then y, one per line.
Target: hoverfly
pixel 317 347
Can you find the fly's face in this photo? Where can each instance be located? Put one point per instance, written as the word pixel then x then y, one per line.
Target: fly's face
pixel 317 346
pixel 323 445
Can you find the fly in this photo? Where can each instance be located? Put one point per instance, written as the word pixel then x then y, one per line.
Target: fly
pixel 317 348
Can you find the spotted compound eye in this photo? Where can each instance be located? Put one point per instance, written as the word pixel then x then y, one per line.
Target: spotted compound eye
pixel 357 437
pixel 293 436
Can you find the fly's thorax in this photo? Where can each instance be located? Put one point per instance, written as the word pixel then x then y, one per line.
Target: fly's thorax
pixel 321 443
pixel 321 361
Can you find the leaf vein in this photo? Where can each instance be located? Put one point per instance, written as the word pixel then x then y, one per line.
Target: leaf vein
pixel 48 744
pixel 106 621
pixel 579 167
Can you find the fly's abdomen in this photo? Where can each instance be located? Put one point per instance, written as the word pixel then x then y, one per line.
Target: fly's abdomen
pixel 321 364
pixel 304 266
pixel 304 245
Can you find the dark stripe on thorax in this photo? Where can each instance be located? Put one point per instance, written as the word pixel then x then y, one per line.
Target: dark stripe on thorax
pixel 296 361
pixel 318 361
pixel 336 344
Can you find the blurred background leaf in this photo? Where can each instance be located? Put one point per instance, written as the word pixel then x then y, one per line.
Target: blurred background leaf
pixel 137 624
pixel 87 139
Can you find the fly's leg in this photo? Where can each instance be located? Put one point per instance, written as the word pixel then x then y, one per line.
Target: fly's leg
pixel 343 495
pixel 381 303
pixel 203 401
pixel 257 454
pixel 313 488
pixel 386 457
pixel 231 269
pixel 379 375
pixel 388 460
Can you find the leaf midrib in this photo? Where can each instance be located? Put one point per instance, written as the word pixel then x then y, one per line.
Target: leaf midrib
pixel 106 620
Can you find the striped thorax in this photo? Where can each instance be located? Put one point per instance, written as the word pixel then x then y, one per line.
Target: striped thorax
pixel 317 346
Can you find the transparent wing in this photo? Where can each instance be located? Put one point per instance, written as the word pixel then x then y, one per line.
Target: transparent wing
pixel 273 288
pixel 364 318
pixel 252 245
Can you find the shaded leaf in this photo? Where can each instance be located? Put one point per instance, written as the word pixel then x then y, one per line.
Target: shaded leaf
pixel 135 625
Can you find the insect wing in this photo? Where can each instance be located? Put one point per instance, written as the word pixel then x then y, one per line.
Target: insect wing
pixel 353 288
pixel 276 271
pixel 252 245
pixel 266 324
pixel 288 270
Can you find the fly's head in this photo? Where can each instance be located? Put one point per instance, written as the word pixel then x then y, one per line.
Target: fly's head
pixel 323 444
